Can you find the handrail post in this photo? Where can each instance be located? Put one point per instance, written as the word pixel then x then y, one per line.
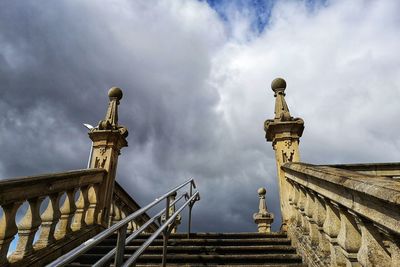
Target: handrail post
pixel 190 210
pixel 119 255
pixel 165 234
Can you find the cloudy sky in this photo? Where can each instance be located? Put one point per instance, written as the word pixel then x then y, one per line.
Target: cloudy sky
pixel 196 79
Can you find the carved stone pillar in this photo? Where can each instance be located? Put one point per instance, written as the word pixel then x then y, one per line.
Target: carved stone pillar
pixel 263 218
pixel 108 139
pixel 284 132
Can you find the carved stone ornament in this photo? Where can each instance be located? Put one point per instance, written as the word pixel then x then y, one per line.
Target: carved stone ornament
pixel 110 122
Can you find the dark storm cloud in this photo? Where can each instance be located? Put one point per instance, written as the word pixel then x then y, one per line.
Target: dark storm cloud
pixel 194 98
pixel 59 59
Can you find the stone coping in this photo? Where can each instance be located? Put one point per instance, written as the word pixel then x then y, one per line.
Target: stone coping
pixel 23 188
pixel 42 177
pixel 390 169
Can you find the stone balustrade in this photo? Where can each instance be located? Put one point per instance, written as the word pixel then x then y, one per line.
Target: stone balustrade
pixel 61 208
pixel 62 211
pixel 123 204
pixel 339 217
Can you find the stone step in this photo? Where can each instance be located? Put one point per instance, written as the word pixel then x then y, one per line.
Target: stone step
pixel 209 265
pixel 207 259
pixel 209 241
pixel 268 249
pixel 223 235
pixel 206 249
pixel 228 265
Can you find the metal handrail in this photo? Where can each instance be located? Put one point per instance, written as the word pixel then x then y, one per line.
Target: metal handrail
pixel 111 253
pixel 164 227
pixel 121 228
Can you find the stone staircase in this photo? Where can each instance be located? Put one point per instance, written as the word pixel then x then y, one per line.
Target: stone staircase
pixel 207 249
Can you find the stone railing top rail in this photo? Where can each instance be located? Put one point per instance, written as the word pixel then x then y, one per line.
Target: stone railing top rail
pixel 373 197
pixel 382 188
pixel 120 192
pixel 382 169
pixel 28 187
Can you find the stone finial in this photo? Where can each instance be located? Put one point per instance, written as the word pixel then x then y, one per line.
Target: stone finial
pixel 263 218
pixel 282 114
pixel 281 109
pixel 110 122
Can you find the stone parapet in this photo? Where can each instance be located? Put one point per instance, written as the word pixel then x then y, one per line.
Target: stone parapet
pixel 351 218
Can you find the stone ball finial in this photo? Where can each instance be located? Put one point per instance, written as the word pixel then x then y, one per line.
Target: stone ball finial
pixel 277 84
pixel 261 191
pixel 115 92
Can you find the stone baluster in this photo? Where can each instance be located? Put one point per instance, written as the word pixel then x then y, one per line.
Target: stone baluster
pixel 8 229
pixel 394 247
pixel 92 210
pixel 67 212
pixel 319 217
pixel 309 212
pixel 27 228
pixel 302 204
pixel 123 213
pixel 172 209
pixel 130 229
pixel 50 219
pixel 112 213
pixel 117 212
pixel 349 237
pixel 82 205
pixel 331 228
pixel 296 204
pixel 292 203
pixel 134 226
pixel 372 251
